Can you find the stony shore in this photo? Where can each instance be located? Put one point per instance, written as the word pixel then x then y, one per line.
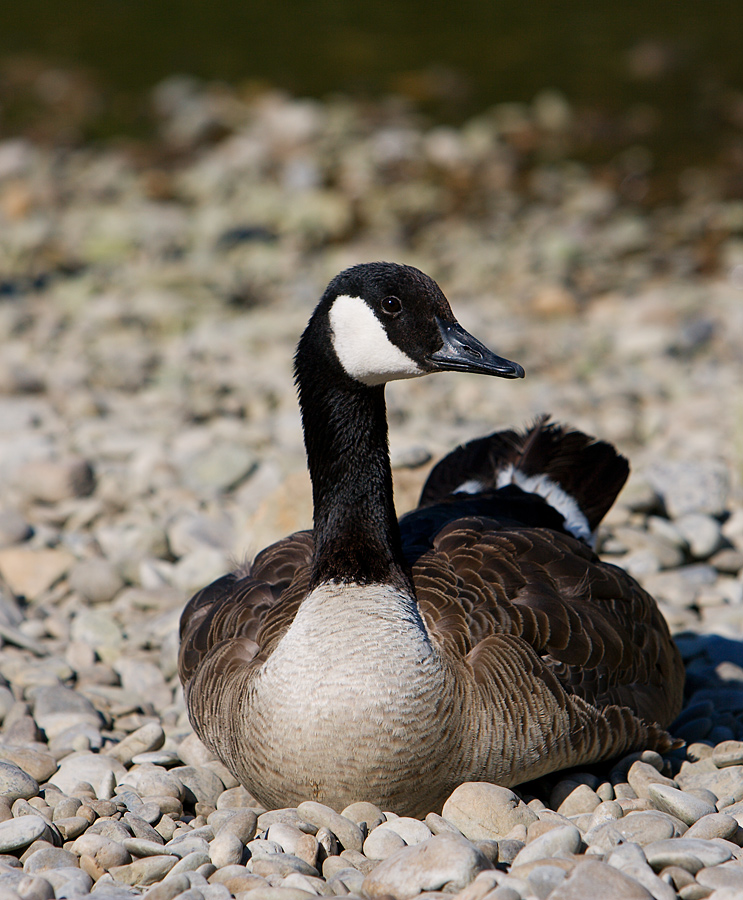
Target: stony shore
pixel 149 438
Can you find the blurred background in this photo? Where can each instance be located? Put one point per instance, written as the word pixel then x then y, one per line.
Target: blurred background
pixel 667 74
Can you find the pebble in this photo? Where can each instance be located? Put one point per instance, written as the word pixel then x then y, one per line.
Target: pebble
pixel 14 529
pixel 691 854
pixel 382 843
pixel 96 580
pixel 441 862
pixel 51 481
pixel 684 806
pixel 15 783
pixel 20 832
pixel 226 849
pixel 101 772
pixel 347 832
pixel 591 878
pixel 728 753
pixel 483 811
pixel 561 839
pixel 714 825
pixel 149 737
pixel 30 572
pixel 145 871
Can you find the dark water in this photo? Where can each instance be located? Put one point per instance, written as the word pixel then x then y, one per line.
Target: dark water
pixel 677 61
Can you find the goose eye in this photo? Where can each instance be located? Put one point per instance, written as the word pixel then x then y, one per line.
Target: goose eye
pixel 391 306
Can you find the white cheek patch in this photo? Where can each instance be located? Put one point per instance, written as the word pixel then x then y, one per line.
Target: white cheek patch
pixel 362 346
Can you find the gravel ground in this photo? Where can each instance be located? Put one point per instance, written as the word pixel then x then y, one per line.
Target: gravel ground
pixel 149 437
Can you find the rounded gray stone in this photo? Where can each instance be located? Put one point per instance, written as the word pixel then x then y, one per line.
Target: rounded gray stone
pixel 678 803
pixel 561 839
pixel 347 832
pixel 20 832
pixel 484 811
pixel 691 854
pixel 591 879
pixel 364 812
pixel 143 872
pixel 715 825
pixel 226 849
pixel 201 783
pixel 382 843
pixel 728 753
pixel 443 862
pixel 15 783
pixel 96 580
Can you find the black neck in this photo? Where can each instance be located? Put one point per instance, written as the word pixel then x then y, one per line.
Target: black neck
pixel 357 537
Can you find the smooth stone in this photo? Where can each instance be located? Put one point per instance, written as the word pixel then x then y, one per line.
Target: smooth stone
pixel 441 863
pixel 96 580
pixel 97 629
pixel 58 708
pixel 678 803
pixel 560 839
pixel 226 849
pixel 382 843
pixel 15 783
pixel 691 854
pixel 591 879
pixel 582 799
pixel 412 831
pixel 14 529
pixel 29 572
pixel 96 769
pixel 715 825
pixel 691 487
pixel 51 481
pixel 279 893
pixel 149 737
pixel 351 879
pixel 630 859
pixel 21 832
pixel 364 812
pixel 280 864
pixel 69 881
pixel 49 858
pixel 347 832
pixel 138 846
pixel 726 875
pixel 145 871
pixel 728 753
pixel 237 797
pixel 484 811
pixel 145 679
pixel 289 815
pixel 191 862
pixel 439 825
pixel 642 774
pixel 702 533
pixel 168 889
pixel 201 783
pixel 242 823
pixel 287 836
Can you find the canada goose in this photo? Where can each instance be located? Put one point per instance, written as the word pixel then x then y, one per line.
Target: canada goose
pixel 480 638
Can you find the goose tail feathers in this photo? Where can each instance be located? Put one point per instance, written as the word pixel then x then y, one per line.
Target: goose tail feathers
pixel 575 473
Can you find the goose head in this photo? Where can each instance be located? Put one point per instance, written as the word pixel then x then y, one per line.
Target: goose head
pixel 380 322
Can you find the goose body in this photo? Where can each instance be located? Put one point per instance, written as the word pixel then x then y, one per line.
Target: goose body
pixel 479 638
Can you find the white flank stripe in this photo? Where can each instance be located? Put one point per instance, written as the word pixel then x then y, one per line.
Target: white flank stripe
pixel 575 521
